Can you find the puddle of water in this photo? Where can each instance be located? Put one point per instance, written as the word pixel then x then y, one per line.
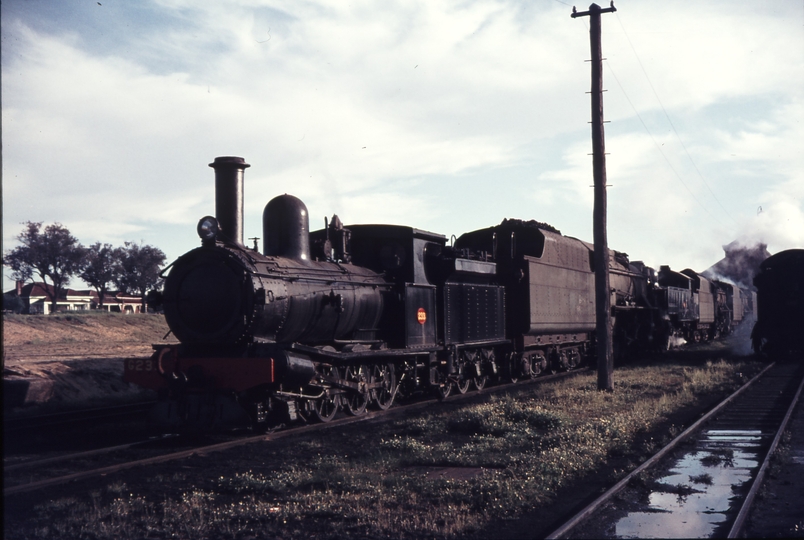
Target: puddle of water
pixel 651 525
pixel 698 491
pixel 730 436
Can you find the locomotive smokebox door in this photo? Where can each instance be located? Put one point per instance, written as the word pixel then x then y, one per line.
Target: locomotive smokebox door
pixel 420 316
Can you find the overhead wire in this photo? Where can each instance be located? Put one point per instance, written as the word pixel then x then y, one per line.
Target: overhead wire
pixel 670 121
pixel 655 142
pixel 659 147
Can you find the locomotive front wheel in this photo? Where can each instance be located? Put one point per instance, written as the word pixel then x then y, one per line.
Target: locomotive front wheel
pixel 480 382
pixel 385 374
pixel 355 403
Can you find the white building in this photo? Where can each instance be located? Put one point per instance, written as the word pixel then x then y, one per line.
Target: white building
pixel 33 298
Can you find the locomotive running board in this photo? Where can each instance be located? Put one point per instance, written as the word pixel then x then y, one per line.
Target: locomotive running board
pixel 385 353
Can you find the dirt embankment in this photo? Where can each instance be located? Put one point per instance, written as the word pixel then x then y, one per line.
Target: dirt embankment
pixel 73 359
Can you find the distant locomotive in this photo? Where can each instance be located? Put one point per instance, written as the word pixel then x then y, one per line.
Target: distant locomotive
pixel 780 305
pixel 699 309
pixel 349 317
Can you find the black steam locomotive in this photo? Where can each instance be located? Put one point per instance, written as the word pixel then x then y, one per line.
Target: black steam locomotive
pixel 350 317
pixel 780 299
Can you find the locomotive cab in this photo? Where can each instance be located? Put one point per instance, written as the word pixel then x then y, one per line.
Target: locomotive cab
pixel 397 253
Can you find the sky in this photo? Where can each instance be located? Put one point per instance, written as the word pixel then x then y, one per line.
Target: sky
pixel 447 116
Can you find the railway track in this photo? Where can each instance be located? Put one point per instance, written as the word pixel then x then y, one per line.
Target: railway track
pixel 46 472
pixel 738 436
pixel 15 426
pixel 11 356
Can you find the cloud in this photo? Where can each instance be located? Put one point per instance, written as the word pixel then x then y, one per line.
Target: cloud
pixel 440 115
pixel 779 221
pixel 116 128
pixel 697 55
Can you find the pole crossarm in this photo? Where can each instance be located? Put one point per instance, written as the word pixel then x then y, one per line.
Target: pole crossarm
pixel 610 9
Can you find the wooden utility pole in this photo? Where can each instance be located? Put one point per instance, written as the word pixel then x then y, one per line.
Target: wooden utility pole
pixel 605 355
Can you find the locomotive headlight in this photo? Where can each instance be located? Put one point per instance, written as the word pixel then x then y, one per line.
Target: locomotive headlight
pixel 208 229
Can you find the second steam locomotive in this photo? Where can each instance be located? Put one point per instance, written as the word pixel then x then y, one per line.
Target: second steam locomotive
pixel 345 318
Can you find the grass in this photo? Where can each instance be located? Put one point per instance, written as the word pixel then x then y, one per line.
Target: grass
pixel 64 327
pixel 78 317
pixel 529 446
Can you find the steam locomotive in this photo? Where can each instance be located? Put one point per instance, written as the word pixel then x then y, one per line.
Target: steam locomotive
pixel 780 298
pixel 345 318
pixel 695 308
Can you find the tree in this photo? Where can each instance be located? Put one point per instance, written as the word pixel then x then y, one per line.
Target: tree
pixel 52 253
pixel 138 269
pixel 100 267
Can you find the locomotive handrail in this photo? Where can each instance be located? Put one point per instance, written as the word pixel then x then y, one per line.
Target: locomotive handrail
pixel 165 269
pixel 629 273
pixel 298 274
pixel 300 395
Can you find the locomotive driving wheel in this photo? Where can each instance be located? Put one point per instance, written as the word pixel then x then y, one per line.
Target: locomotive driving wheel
pixel 462 385
pixel 385 375
pixel 355 402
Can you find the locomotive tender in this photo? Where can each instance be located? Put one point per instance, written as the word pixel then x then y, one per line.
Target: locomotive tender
pixel 349 317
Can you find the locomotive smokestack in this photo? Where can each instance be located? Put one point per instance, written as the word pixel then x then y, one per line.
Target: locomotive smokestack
pixel 229 197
